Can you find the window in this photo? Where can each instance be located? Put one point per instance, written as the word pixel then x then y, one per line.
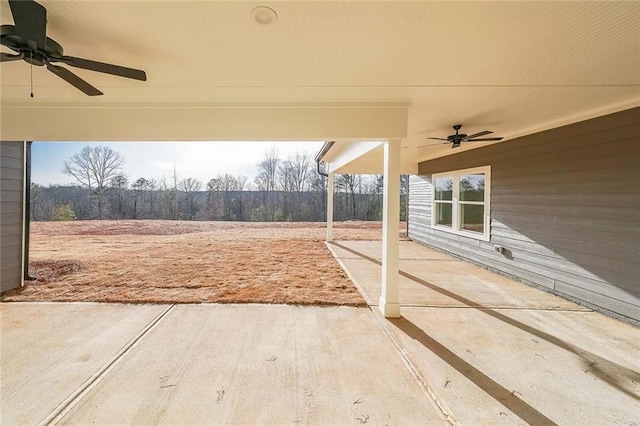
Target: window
pixel 461 202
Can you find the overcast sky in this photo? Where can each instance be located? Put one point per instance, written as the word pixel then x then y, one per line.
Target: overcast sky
pixel 153 160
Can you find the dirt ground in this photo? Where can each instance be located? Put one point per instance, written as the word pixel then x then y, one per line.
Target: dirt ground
pixel 189 262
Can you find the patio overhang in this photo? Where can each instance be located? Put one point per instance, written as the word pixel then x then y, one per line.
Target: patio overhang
pixel 378 78
pixel 351 71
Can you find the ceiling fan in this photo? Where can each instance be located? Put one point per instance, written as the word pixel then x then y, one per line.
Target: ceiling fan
pixel 28 38
pixel 458 138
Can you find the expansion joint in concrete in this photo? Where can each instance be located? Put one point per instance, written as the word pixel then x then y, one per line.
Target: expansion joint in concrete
pixel 438 404
pixel 65 407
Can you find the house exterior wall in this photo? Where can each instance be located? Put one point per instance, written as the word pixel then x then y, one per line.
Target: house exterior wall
pixel 565 205
pixel 11 214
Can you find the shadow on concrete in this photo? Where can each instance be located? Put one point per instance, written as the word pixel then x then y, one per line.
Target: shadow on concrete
pixel 484 382
pixel 617 376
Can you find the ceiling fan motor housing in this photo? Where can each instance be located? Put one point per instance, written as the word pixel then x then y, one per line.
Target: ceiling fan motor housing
pixel 38 57
pixel 457 138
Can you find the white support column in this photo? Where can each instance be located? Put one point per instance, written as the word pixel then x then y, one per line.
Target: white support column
pixel 389 301
pixel 330 207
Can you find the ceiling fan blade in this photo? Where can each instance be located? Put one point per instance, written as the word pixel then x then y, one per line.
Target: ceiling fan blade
pixel 483 139
pixel 30 20
pixel 475 135
pixel 7 57
pixel 433 144
pixel 74 80
pixel 102 67
pixel 439 139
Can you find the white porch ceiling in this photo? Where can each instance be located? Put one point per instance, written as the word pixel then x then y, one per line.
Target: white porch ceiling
pixel 510 67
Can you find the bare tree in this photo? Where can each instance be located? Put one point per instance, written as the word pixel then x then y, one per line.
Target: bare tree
pixel 151 187
pixel 119 184
pixel 294 180
pixel 301 167
pixel 213 186
pixel 267 175
pixel 175 192
pixel 241 183
pixel 169 198
pixel 93 167
pixel 373 186
pixel 285 184
pixel 228 185
pixel 268 170
pixel 190 187
pixel 349 183
pixel 224 197
pixel 139 188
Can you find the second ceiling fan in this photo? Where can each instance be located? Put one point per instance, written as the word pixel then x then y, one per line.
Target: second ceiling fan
pixel 457 138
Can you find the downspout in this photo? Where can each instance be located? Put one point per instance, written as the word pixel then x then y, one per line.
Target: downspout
pixel 320 172
pixel 323 151
pixel 27 212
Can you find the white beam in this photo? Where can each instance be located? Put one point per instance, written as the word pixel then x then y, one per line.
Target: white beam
pixel 373 166
pixel 350 153
pixel 98 121
pixel 389 300
pixel 330 185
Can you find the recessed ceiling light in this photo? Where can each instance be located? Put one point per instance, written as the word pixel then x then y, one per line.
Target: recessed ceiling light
pixel 264 16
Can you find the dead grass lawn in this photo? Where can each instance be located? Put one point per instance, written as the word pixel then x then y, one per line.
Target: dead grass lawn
pixel 189 262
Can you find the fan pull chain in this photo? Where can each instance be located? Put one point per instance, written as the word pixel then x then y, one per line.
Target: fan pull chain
pixel 31 63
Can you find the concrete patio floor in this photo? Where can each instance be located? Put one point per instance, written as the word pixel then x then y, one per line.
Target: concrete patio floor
pixel 493 350
pixel 203 364
pixel 472 347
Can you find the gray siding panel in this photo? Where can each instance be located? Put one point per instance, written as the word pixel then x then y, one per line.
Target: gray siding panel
pixel 11 150
pixel 11 241
pixel 12 262
pixel 11 214
pixel 10 185
pixel 11 196
pixel 14 274
pixel 565 203
pixel 534 230
pixel 14 207
pixel 620 307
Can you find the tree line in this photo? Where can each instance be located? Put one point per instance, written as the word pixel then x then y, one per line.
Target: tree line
pixel 288 189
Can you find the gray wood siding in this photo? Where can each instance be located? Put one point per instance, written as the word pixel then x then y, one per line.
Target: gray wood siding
pixel 565 204
pixel 11 214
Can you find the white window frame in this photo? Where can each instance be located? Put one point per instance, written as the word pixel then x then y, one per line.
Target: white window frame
pixel 455 214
